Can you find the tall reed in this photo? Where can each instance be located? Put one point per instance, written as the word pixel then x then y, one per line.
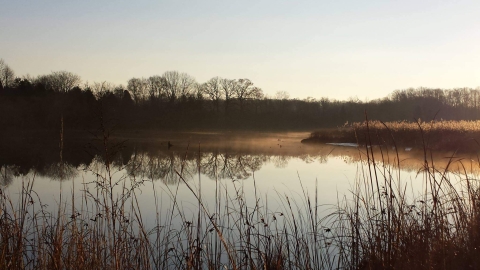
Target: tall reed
pixel 379 226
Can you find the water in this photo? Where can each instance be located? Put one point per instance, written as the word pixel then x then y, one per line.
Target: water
pixel 270 165
pixel 272 176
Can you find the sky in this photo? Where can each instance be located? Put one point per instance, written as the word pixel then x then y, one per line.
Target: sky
pixel 337 49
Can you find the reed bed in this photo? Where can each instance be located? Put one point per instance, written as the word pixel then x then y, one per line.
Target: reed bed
pixel 378 226
pixel 106 230
pixel 436 134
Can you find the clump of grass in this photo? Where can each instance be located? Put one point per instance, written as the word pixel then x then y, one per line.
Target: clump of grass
pixel 106 231
pixel 388 229
pixel 437 135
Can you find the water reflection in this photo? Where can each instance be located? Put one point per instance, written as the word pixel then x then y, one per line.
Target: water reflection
pixel 59 171
pixel 162 165
pixel 8 173
pixel 228 158
pixel 166 166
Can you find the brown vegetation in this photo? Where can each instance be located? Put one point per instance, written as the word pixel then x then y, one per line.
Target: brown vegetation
pixel 436 135
pixel 381 226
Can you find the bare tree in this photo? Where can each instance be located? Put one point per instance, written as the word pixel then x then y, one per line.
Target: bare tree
pixel 256 93
pixel 177 85
pixel 156 87
pixel 171 79
pixel 65 81
pixel 138 88
pixel 119 91
pixel 245 90
pixel 213 89
pixel 187 84
pixel 197 91
pixel 59 81
pixel 7 75
pixel 101 89
pixel 282 95
pixel 228 91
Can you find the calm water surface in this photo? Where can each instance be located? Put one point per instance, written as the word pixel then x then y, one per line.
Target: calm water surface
pixel 266 166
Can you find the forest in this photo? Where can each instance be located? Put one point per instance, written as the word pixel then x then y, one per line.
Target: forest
pixel 176 101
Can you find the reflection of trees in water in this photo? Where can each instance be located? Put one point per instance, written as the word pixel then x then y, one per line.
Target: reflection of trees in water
pixel 280 161
pixel 59 171
pixel 309 158
pixel 161 166
pixel 97 166
pixel 229 166
pixel 7 173
pixel 151 160
pixel 248 164
pixel 154 163
pixel 215 165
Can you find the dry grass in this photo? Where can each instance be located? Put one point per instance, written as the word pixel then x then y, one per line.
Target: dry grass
pixel 388 229
pixel 436 135
pixel 379 227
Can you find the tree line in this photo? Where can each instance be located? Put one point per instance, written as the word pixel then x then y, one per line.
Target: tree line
pixel 175 100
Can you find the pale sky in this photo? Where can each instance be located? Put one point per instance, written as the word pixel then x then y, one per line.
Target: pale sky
pixel 336 49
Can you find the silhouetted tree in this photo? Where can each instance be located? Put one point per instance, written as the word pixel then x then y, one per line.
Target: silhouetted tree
pixel 245 90
pixel 282 95
pixel 177 85
pixel 228 91
pixel 7 75
pixel 138 88
pixel 212 89
pixel 156 87
pixel 101 89
pixel 59 81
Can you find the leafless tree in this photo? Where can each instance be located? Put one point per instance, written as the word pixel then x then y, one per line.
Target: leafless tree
pixel 187 84
pixel 28 78
pixel 156 87
pixel 228 91
pixel 256 93
pixel 213 90
pixel 245 90
pixel 102 88
pixel 178 85
pixel 7 75
pixel 171 79
pixel 119 91
pixel 138 88
pixel 197 91
pixel 59 81
pixel 282 95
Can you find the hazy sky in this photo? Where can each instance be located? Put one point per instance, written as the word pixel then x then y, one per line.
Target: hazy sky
pixel 337 49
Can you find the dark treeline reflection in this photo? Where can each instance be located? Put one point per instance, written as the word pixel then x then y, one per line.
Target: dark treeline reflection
pixel 216 165
pixel 147 160
pixel 175 100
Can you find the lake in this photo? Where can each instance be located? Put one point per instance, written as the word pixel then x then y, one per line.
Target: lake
pixel 278 162
pixel 271 173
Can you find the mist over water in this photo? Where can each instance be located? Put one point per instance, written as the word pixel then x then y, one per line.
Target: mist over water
pixel 270 164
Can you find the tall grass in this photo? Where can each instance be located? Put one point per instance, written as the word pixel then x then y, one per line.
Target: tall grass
pixel 379 226
pixel 437 134
pixel 439 229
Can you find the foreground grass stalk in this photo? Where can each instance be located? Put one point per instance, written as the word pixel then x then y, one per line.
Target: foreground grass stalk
pixel 379 226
